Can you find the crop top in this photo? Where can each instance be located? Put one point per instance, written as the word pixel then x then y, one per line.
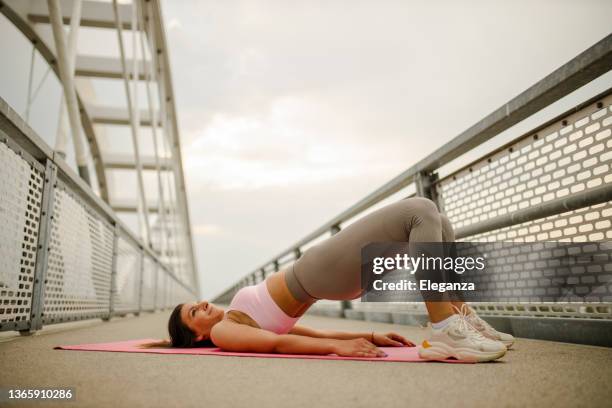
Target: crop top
pixel 256 302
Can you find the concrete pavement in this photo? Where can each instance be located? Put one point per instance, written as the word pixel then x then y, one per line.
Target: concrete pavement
pixel 537 373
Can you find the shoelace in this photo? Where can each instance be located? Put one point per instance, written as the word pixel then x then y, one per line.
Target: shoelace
pixel 464 324
pixel 481 322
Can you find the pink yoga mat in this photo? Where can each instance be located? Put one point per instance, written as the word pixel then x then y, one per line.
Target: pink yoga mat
pixel 405 354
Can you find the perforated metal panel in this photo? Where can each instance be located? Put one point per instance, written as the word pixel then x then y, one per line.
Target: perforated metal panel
pixel 568 157
pixel 149 277
pixel 127 280
pixel 80 261
pixel 590 224
pixel 586 224
pixel 593 223
pixel 171 293
pixel 181 295
pixel 179 260
pixel 567 310
pixel 21 185
pixel 175 294
pixel 160 288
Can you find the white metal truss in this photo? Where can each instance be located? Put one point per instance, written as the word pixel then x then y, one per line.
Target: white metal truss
pixel 165 224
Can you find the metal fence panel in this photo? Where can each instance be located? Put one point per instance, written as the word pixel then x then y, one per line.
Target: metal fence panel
pixel 160 288
pixel 593 223
pixel 80 260
pixel 62 249
pixel 568 157
pixel 170 293
pixel 21 186
pixel 126 293
pixel 149 278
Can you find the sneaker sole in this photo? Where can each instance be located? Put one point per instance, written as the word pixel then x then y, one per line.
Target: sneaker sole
pixel 507 343
pixel 441 351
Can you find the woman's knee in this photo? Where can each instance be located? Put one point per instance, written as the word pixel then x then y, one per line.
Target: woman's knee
pixel 424 208
pixel 448 232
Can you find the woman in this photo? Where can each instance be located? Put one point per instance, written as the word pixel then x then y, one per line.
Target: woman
pixel 261 318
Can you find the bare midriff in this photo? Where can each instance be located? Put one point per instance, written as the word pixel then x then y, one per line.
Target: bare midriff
pixel 282 297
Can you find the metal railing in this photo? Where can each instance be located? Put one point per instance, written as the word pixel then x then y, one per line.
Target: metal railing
pixel 64 253
pixel 553 183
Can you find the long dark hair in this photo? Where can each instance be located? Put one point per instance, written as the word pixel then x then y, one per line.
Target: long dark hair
pixel 181 336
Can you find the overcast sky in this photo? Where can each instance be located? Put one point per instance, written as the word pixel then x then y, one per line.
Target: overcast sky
pixel 292 111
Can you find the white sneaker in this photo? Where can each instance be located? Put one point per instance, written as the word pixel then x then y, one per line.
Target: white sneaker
pixel 488 331
pixel 460 340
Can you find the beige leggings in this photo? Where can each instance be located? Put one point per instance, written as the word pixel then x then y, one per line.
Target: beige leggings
pixel 332 269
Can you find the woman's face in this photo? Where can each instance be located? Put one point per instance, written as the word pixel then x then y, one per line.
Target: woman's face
pixel 200 317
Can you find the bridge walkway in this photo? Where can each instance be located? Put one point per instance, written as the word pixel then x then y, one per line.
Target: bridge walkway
pixel 536 373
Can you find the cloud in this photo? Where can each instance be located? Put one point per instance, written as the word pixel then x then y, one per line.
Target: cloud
pixel 174 24
pixel 291 112
pixel 281 147
pixel 206 229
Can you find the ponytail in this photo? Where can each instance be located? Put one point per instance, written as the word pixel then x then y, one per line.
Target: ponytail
pixel 156 344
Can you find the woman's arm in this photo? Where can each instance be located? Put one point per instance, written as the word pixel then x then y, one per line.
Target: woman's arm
pixel 233 336
pixel 380 339
pixel 329 334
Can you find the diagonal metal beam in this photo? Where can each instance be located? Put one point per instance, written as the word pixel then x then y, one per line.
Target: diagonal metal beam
pixel 126 161
pixel 132 207
pixel 105 67
pixel 95 13
pixel 106 115
pixel 15 11
pixel 133 112
pixel 153 12
pixel 67 80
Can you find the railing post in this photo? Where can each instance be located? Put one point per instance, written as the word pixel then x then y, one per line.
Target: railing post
pixel 167 286
pixel 425 186
pixel 156 280
pixel 42 253
pixel 113 283
pixel 141 283
pixel 344 304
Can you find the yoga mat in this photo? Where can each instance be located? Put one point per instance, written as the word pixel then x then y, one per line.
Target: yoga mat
pixel 405 354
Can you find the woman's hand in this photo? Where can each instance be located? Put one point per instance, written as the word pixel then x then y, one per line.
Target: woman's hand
pixel 357 348
pixel 391 339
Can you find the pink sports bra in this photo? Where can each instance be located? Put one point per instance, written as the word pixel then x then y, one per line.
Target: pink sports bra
pixel 257 303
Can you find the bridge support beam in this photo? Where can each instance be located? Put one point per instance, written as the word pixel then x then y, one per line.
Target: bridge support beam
pixel 42 253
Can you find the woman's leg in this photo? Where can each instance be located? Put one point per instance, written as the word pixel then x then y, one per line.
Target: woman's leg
pixel 448 235
pixel 441 309
pixel 332 269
